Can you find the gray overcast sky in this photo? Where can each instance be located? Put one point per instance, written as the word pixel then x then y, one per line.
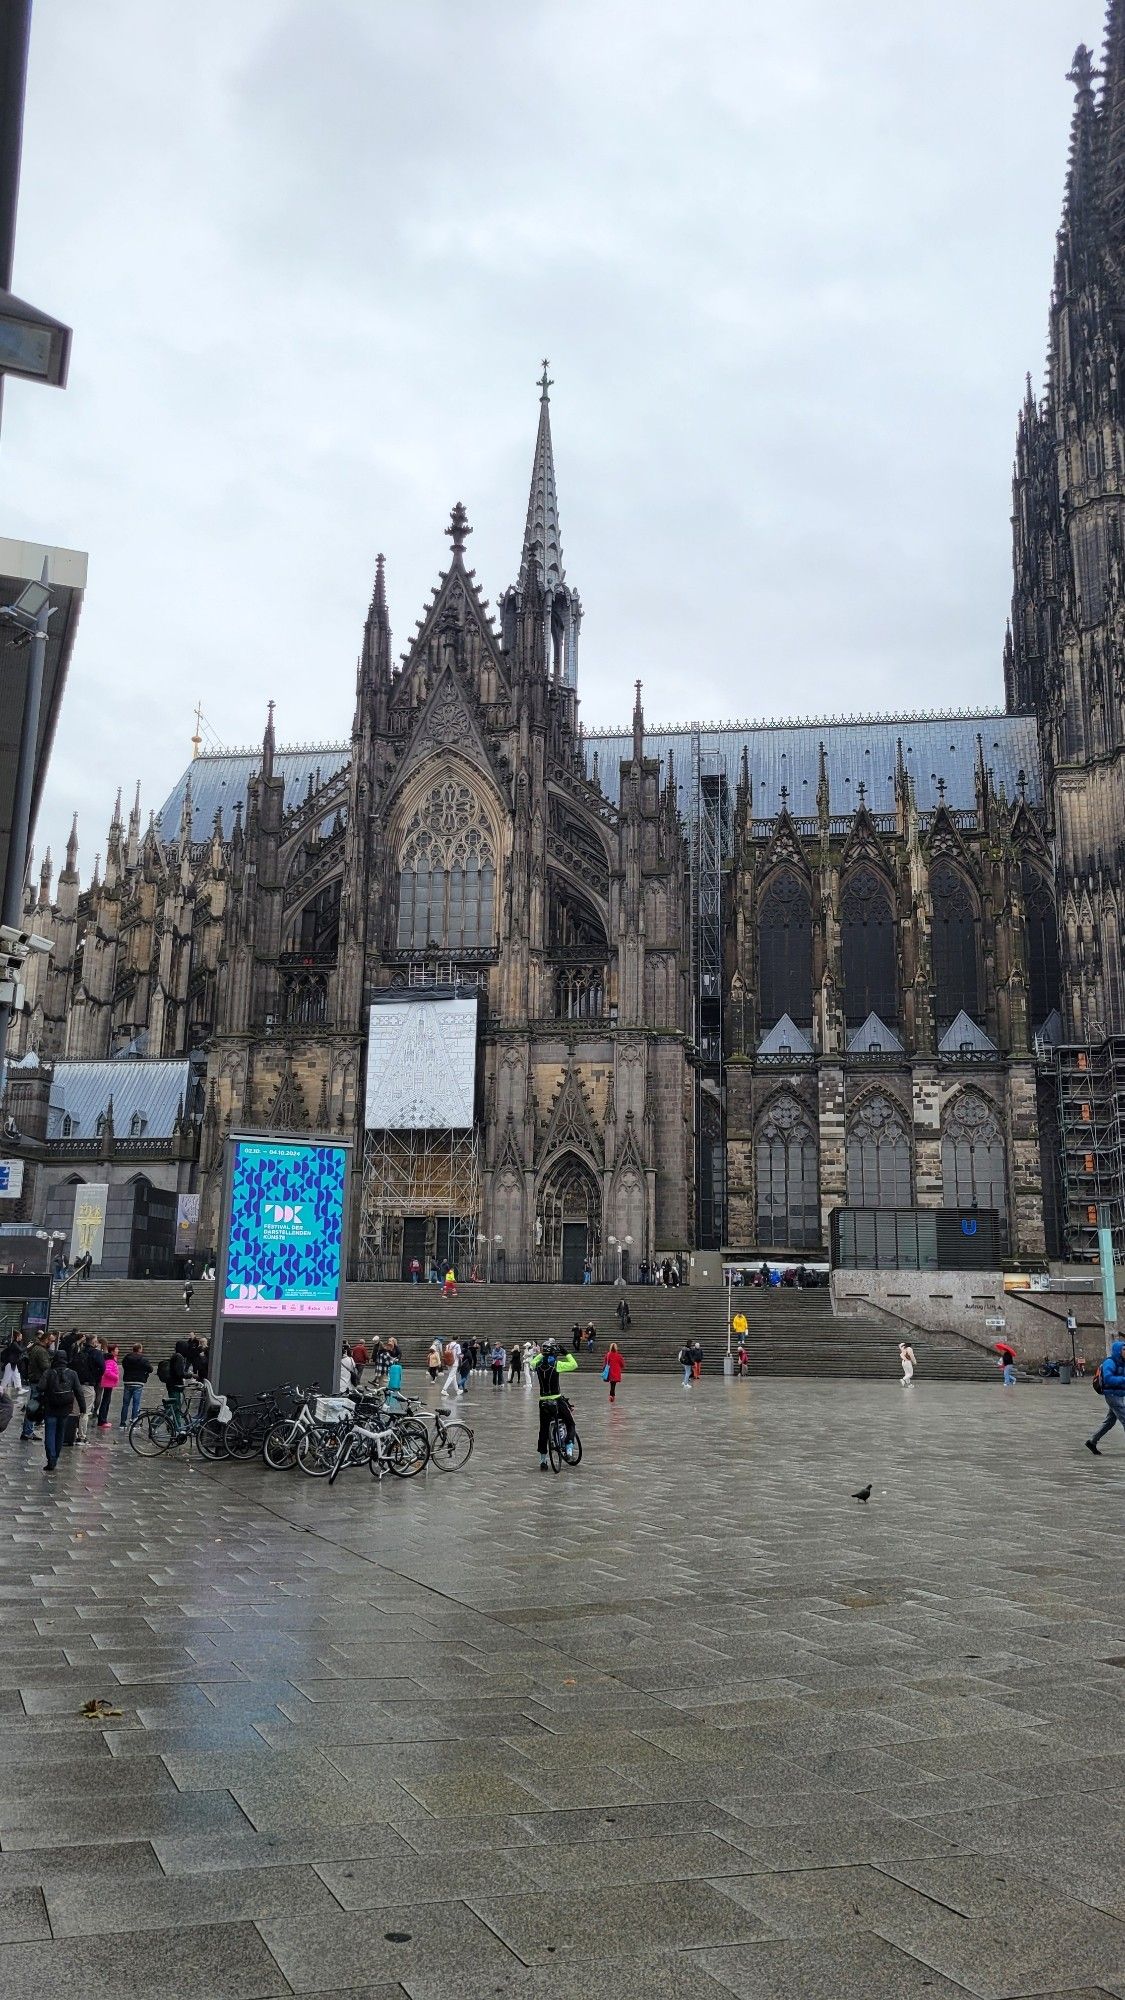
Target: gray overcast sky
pixel 789 262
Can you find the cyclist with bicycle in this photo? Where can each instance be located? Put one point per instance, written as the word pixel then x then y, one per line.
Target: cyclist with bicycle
pixel 547 1367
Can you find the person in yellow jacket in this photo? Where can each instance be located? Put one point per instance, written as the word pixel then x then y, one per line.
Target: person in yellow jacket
pixel 547 1366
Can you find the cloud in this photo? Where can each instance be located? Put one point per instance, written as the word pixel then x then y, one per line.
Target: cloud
pixel 789 265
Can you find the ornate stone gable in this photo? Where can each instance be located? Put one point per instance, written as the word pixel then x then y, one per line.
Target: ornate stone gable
pixel 449 722
pixel 287 1110
pixel 784 849
pixel 945 843
pixel 571 1120
pixel 456 632
pixel 865 843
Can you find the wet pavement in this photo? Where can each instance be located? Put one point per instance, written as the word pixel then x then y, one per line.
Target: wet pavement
pixel 688 1721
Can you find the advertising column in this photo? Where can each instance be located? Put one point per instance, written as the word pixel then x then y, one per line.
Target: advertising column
pixel 279 1286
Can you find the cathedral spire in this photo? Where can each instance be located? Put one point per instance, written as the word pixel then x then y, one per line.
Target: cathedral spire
pixel 375 662
pixel 1113 125
pixel 70 872
pixel 269 744
pixel 638 730
pixel 542 537
pixel 45 873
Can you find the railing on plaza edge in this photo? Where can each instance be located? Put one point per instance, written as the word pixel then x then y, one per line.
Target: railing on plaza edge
pixel 534 1269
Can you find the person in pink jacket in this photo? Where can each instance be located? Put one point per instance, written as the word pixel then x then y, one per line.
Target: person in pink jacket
pixel 614 1368
pixel 111 1376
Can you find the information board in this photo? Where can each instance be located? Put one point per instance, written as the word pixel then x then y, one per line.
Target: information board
pixel 285 1246
pixel 421 1065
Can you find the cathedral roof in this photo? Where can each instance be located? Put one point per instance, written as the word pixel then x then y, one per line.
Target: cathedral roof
pixel 858 750
pixel 220 779
pixel 152 1090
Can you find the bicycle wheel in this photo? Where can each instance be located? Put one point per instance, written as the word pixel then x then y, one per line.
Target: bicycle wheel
pixel 280 1447
pixel 244 1437
pixel 572 1452
pixel 211 1439
pixel 554 1445
pixel 151 1433
pixel 316 1452
pixel 452 1447
pixel 342 1458
pixel 410 1450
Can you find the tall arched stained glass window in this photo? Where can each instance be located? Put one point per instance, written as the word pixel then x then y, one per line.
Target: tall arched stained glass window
pixel 785 951
pixel 786 1174
pixel 1042 943
pixel 878 1156
pixel 867 944
pixel 956 958
pixel 447 870
pixel 973 1166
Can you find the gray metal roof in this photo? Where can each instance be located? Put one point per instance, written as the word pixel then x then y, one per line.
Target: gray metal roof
pixel 780 753
pixel 857 750
pixel 152 1090
pixel 219 779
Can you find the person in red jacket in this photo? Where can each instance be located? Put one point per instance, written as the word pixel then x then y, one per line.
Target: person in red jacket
pixel 615 1368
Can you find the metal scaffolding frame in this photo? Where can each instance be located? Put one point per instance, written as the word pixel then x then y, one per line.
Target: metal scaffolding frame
pixel 430 1174
pixel 1090 1080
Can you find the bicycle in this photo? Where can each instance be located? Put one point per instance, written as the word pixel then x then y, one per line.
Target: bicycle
pixel 451 1446
pixel 381 1447
pixel 564 1446
pixel 252 1422
pixel 154 1432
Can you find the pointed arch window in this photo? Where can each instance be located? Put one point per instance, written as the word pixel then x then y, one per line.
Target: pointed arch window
pixel 447 872
pixel 973 1155
pixel 956 954
pixel 785 951
pixel 785 1158
pixel 878 1156
pixel 1042 924
pixel 867 946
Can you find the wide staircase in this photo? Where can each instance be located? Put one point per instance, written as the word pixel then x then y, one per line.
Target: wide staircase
pixel 791 1332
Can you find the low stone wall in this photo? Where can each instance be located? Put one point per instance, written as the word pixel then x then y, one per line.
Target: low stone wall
pixel 959 1302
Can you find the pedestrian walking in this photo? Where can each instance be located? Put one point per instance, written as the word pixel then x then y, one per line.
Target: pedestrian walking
pixel 89 1364
pixel 189 1294
pixel 451 1355
pixel 464 1366
pixel 39 1357
pixel 349 1373
pixel 515 1362
pixel 622 1315
pixel 433 1360
pixel 111 1376
pixel 135 1371
pixel 591 1336
pixel 576 1338
pixel 394 1373
pixel 684 1359
pixel 614 1368
pixel 415 1271
pixel 61 1391
pixel 1007 1363
pixel 696 1360
pixel 909 1362
pixel 449 1289
pixel 1110 1377
pixel 499 1363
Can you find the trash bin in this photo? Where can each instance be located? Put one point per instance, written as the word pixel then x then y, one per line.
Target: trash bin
pixel 1064 1372
pixel 728 1364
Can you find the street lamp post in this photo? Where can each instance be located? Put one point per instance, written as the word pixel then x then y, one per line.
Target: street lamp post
pixel 628 1246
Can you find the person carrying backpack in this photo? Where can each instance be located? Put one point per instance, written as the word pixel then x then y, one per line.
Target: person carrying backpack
pixel 1109 1381
pixel 60 1391
pixel 173 1374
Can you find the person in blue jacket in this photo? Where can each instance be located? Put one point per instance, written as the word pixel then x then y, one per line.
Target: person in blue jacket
pixel 1113 1389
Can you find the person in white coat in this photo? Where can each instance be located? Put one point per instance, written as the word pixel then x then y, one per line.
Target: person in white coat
pixel 449 1386
pixel 349 1373
pixel 909 1362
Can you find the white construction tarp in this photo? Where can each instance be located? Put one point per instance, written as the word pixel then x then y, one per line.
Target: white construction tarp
pixel 421 1065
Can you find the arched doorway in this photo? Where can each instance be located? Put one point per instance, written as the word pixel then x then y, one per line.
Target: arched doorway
pixel 568 1219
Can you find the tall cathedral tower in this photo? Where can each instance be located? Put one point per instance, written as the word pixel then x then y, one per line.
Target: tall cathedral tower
pixel 1065 657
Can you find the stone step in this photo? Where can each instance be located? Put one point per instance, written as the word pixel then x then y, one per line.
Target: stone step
pixel 791 1333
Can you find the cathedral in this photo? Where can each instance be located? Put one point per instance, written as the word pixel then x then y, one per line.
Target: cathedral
pixel 729 981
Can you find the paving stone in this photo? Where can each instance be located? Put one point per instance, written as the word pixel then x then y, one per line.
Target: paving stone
pixel 663 1977
pixel 122 1861
pixel 800 1969
pixel 233 1896
pixel 194 1964
pixel 397 1941
pixel 249 1849
pixel 590 1922
pixel 62 1822
pixel 416 1878
pixel 23 1915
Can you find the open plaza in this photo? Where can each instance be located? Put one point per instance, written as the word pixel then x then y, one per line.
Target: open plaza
pixel 688 1721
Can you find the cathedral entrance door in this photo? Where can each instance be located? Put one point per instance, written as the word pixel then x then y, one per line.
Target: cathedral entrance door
pixel 413 1244
pixel 574 1242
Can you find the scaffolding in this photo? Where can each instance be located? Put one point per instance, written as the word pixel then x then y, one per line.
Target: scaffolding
pixel 709 844
pixel 420 1198
pixel 1090 1080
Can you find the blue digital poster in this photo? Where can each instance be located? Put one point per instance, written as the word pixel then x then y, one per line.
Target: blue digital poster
pixel 285 1251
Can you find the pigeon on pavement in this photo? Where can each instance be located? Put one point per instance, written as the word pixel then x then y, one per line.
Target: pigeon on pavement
pixel 864 1494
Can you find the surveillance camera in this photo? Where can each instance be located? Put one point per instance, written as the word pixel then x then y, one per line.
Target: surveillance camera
pixel 18 943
